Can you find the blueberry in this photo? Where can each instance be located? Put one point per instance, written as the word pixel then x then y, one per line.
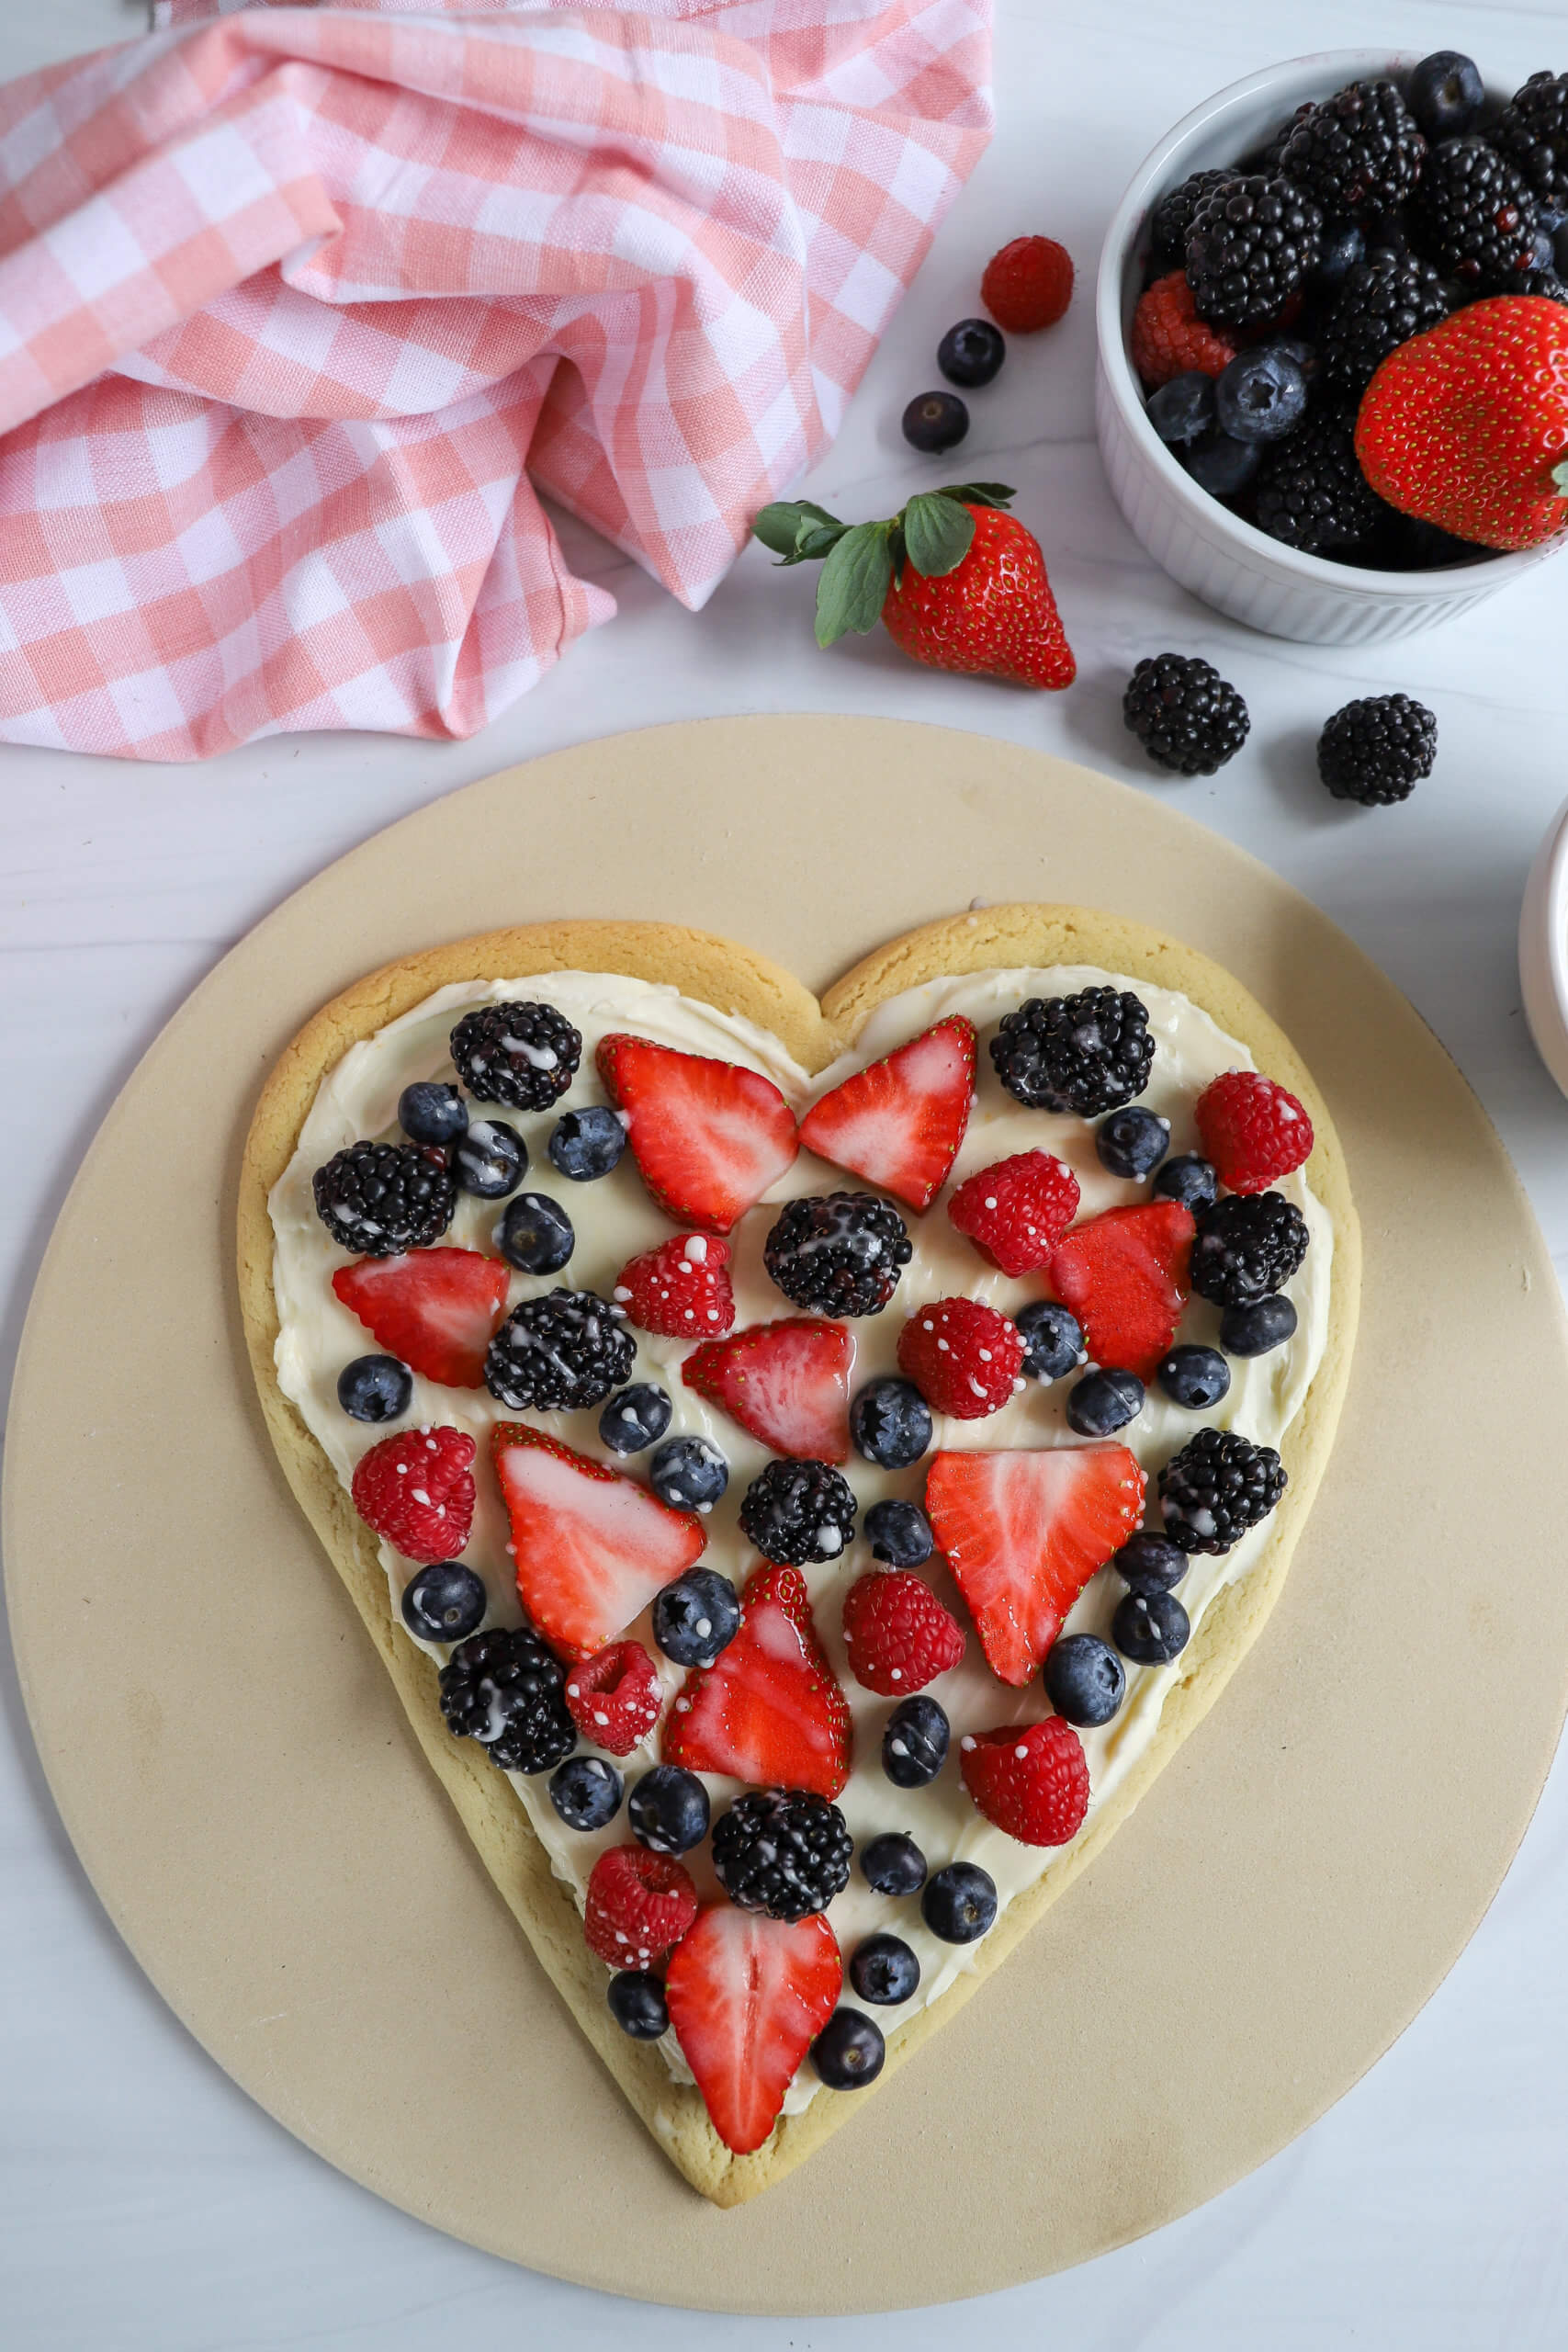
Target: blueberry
pixel 914 1744
pixel 1194 1378
pixel 430 1113
pixel 637 1419
pixel 1104 1402
pixel 1150 1628
pixel 1307 356
pixel 1132 1142
pixel 669 1810
pixel 585 1145
pixel 1261 396
pixel 491 1160
pixel 1343 248
pixel 638 2004
pixel 1085 1679
pixel 697 1617
pixel 1560 249
pixel 585 1792
pixel 688 1473
pixel 1253 1330
pixel 883 1970
pixel 445 1602
pixel 934 422
pixel 536 1234
pixel 1445 93
pixel 848 2051
pixel 893 1864
pixel 1221 466
pixel 1545 256
pixel 971 353
pixel 890 1423
pixel 1189 1179
pixel 1149 1562
pixel 1184 408
pixel 375 1389
pixel 960 1903
pixel 1053 1340
pixel 899 1533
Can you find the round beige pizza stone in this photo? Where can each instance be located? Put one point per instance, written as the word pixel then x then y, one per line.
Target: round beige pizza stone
pixel 249 1800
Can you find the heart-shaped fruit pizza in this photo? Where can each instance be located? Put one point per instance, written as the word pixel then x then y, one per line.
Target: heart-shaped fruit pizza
pixel 805 1466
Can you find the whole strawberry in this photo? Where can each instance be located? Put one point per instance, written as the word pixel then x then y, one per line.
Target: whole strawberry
pixel 1467 425
pixel 899 1635
pixel 1032 1780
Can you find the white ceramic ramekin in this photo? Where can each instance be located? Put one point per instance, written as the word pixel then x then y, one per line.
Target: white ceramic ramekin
pixel 1201 544
pixel 1543 949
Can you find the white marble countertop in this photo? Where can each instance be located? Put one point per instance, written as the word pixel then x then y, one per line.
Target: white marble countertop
pixel 145 2205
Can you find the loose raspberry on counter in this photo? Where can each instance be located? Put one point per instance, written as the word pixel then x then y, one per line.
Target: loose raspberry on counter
pixel 1028 285
pixel 1253 1130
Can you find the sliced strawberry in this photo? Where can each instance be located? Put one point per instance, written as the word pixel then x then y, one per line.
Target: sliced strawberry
pixel 747 1996
pixel 590 1547
pixel 1025 1532
pixel 769 1709
pixel 435 1308
pixel 789 1383
pixel 708 1138
pixel 1124 1275
pixel 680 1290
pixel 899 1123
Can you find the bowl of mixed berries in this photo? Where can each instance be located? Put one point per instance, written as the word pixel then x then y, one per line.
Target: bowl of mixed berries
pixel 1333 343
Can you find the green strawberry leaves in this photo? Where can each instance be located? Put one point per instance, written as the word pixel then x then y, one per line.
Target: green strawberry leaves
pixel 938 533
pixel 854 582
pixel 861 561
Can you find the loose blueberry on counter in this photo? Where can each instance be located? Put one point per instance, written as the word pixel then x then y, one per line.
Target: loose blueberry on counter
pixel 960 1903
pixel 1151 1628
pixel 1261 396
pixel 848 2051
pixel 1445 93
pixel 1189 1179
pixel 536 1234
pixel 375 1389
pixel 1085 1679
pixel 1053 1341
pixel 1132 1142
pixel 585 1792
pixel 688 1473
pixel 697 1617
pixel 431 1113
pixel 491 1160
pixel 883 1970
pixel 915 1742
pixel 637 1419
pixel 1103 1402
pixel 900 1534
pixel 890 1423
pixel 1194 1377
pixel 893 1864
pixel 585 1145
pixel 1150 1563
pixel 669 1810
pixel 1183 408
pixel 934 422
pixel 445 1602
pixel 638 2004
pixel 1219 465
pixel 971 353
pixel 1254 1330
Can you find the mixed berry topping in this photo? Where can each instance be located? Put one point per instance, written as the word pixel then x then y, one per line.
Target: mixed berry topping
pixel 1247 1246
pixel 785 1851
pixel 560 1354
pixel 797 1512
pixel 1087 1053
pixel 505 1690
pixel 1216 1488
pixel 382 1198
pixel 839 1255
pixel 523 1056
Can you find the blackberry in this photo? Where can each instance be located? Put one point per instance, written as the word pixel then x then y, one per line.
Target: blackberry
pixel 560 1354
pixel 839 1254
pixel 1531 133
pixel 382 1198
pixel 1384 302
pixel 1248 1244
pixel 784 1851
pixel 1216 1488
pixel 525 1055
pixel 1359 152
pixel 1268 156
pixel 797 1512
pixel 1176 210
pixel 504 1690
pixel 1087 1053
pixel 1378 750
pixel 1545 285
pixel 1184 714
pixel 1253 241
pixel 1312 493
pixel 1475 217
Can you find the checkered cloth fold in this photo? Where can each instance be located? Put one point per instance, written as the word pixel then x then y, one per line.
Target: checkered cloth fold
pixel 300 307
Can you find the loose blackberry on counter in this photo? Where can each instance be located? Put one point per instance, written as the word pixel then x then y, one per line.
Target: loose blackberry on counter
pixel 1389 298
pixel 1186 716
pixel 1248 1244
pixel 522 1055
pixel 383 1198
pixel 1175 213
pixel 1531 133
pixel 1360 151
pixel 1087 1053
pixel 1312 493
pixel 797 1512
pixel 1475 217
pixel 1216 1488
pixel 785 1851
pixel 505 1690
pixel 1253 242
pixel 841 1253
pixel 1376 750
pixel 560 1354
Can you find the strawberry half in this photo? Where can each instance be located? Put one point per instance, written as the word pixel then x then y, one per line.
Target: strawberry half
pixel 747 1996
pixel 708 1138
pixel 590 1547
pixel 680 1290
pixel 435 1308
pixel 1025 1532
pixel 1126 1276
pixel 787 1383
pixel 899 1123
pixel 769 1710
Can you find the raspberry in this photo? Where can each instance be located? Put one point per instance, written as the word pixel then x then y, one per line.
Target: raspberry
pixel 1032 1780
pixel 1017 1210
pixel 417 1490
pixel 899 1635
pixel 964 1359
pixel 1169 339
pixel 613 1697
pixel 680 1290
pixel 1252 1129
pixel 638 1905
pixel 1028 285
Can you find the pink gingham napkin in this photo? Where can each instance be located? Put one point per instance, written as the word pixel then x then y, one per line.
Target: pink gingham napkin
pixel 300 307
